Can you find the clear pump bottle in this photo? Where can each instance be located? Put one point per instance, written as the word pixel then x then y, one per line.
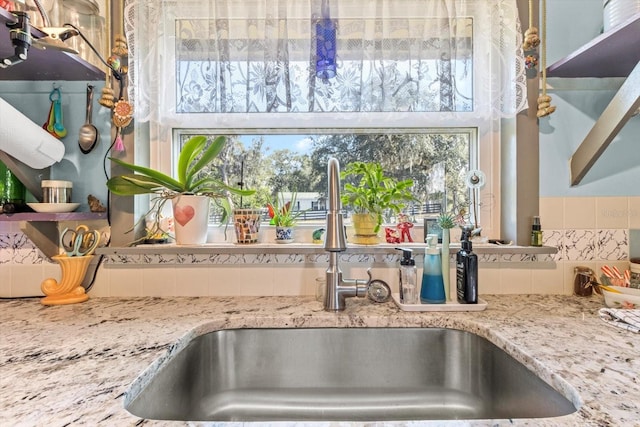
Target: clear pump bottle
pixel 432 289
pixel 408 277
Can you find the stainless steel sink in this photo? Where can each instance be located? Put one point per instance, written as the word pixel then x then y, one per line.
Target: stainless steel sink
pixel 343 374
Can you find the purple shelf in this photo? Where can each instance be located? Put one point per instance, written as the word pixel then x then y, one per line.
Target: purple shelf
pixel 52 217
pixel 612 54
pixel 43 64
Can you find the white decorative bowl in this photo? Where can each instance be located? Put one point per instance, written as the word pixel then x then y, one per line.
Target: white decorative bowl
pixel 629 298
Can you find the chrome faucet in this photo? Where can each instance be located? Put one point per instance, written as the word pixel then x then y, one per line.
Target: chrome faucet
pixel 338 289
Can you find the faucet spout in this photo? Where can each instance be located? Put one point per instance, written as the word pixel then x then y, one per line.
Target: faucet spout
pixel 335 240
pixel 338 289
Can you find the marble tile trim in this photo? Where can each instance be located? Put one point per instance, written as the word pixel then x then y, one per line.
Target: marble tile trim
pixel 572 245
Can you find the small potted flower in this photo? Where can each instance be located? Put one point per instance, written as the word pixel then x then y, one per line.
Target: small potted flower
pixel 284 217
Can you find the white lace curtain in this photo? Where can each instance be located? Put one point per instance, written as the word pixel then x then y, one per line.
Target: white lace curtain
pixel 254 56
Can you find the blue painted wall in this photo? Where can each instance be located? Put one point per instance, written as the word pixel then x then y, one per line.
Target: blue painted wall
pixel 579 102
pixel 84 170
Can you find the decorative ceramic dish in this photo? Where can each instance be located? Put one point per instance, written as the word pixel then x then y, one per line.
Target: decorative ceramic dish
pixel 53 207
pixel 450 306
pixel 627 298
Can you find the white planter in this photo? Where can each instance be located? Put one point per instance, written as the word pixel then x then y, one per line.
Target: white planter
pixel 191 219
pixel 284 234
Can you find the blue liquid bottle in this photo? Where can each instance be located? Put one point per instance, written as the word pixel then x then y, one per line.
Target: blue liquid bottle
pixel 432 289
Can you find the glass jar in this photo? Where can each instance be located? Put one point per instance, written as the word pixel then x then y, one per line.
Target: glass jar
pixel 12 191
pixel 85 15
pixel 583 277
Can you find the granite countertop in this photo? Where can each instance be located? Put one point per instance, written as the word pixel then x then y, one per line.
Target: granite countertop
pixel 70 365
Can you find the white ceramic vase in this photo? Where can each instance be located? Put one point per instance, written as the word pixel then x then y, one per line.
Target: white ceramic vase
pixel 191 219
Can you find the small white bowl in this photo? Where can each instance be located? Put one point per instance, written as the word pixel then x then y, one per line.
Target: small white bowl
pixel 53 207
pixel 629 298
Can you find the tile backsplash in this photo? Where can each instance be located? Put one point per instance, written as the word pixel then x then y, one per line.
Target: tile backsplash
pixel 588 231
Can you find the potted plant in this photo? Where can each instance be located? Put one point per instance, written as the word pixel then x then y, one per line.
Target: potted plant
pixel 284 217
pixel 190 192
pixel 371 194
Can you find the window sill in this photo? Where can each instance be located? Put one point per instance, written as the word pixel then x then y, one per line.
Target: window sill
pixel 382 252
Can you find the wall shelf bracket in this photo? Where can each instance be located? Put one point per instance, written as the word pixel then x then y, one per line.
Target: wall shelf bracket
pixel 621 108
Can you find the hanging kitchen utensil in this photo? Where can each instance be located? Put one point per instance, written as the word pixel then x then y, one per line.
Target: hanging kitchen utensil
pixel 88 133
pixel 55 125
pixel 49 123
pixel 58 126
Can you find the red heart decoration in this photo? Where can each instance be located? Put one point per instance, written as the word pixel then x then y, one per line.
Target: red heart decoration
pixel 183 214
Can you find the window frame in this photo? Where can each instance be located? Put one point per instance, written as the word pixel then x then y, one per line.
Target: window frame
pixel 480 151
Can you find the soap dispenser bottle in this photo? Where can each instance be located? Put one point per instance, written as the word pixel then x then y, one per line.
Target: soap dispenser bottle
pixel 408 277
pixel 536 232
pixel 432 289
pixel 466 271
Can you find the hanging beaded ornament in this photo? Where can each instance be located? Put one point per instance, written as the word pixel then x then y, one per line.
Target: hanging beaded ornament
pixel 531 61
pixel 544 101
pixel 531 39
pixel 120 47
pixel 108 96
pixel 114 62
pixel 118 144
pixel 122 113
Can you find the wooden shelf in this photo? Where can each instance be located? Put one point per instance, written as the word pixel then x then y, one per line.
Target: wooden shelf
pixel 612 54
pixel 42 64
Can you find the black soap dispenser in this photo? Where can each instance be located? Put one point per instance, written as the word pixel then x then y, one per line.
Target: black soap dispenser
pixel 467 271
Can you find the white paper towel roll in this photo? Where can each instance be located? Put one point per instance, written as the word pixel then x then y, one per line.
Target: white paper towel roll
pixel 21 138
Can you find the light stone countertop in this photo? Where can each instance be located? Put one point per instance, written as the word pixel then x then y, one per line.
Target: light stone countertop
pixel 71 365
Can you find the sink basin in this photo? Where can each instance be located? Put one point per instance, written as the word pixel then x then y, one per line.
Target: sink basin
pixel 342 374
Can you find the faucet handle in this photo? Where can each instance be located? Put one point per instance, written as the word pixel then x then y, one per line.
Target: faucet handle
pixel 378 291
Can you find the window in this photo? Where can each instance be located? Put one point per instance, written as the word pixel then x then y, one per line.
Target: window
pixel 423 68
pixel 229 66
pixel 437 161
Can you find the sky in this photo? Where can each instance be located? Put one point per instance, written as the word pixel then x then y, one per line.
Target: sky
pixel 298 143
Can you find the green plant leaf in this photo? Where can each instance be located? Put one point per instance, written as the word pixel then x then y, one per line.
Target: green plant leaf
pixel 219 188
pixel 189 152
pixel 131 185
pixel 166 180
pixel 207 156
